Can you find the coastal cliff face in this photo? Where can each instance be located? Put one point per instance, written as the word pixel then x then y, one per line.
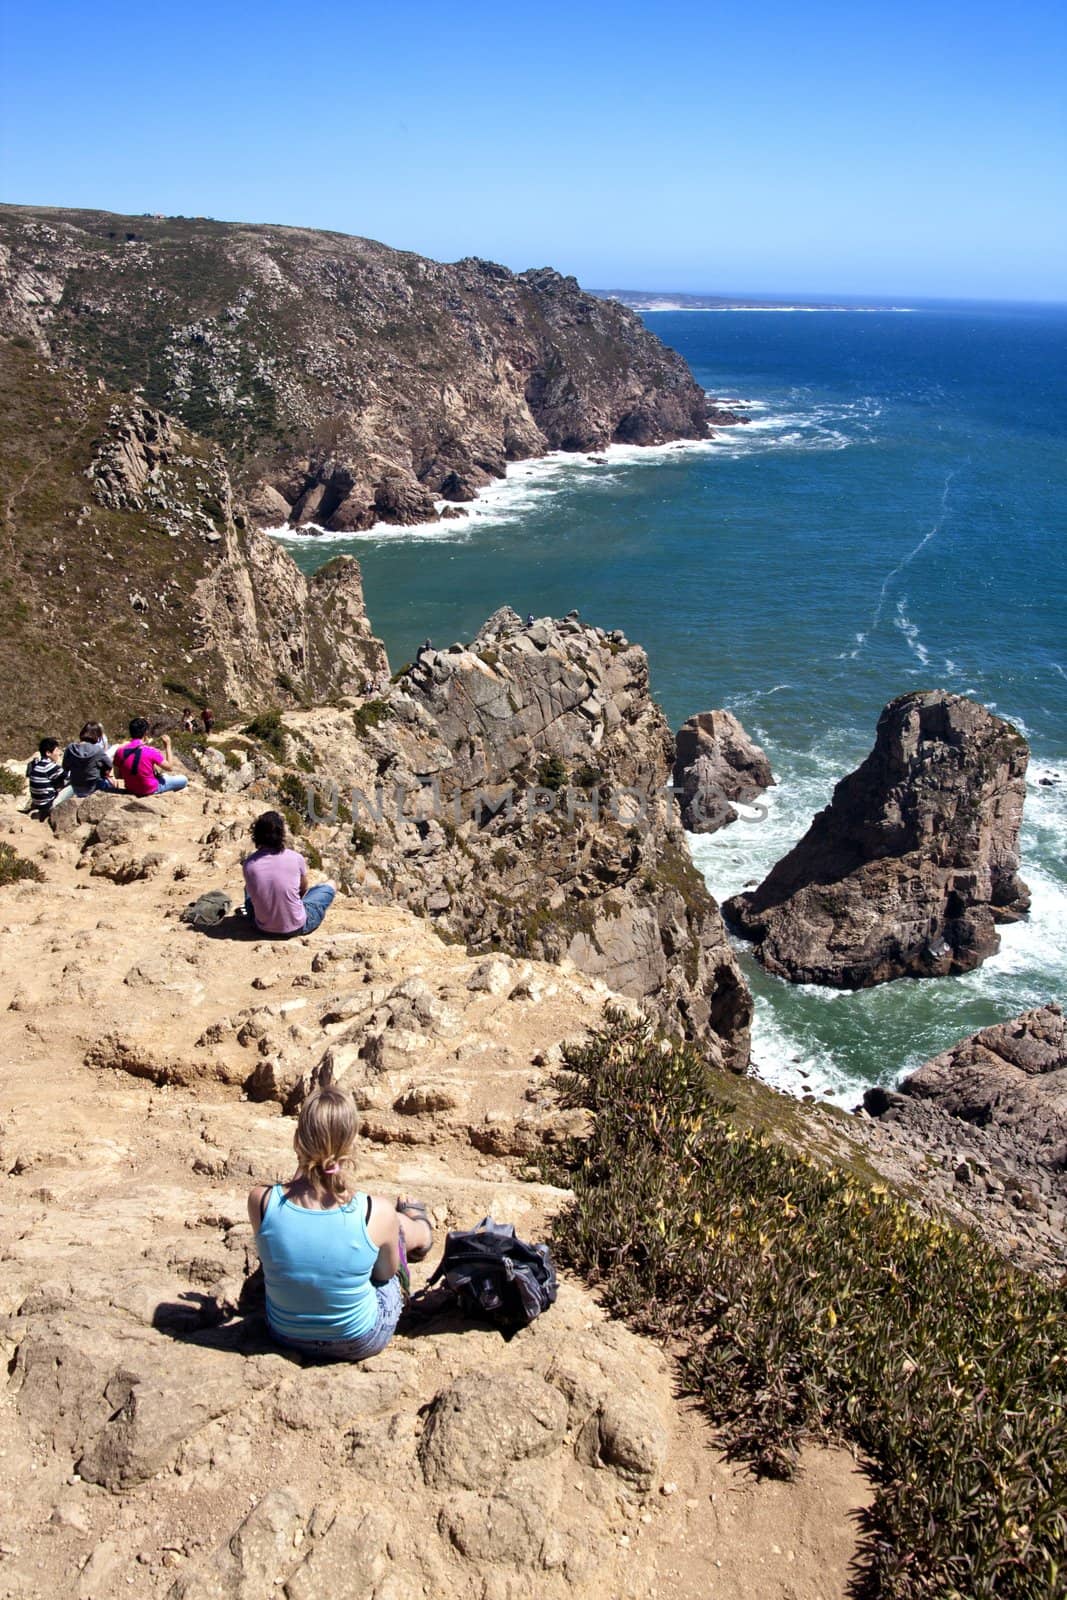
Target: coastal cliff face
pixel 908 870
pixel 348 383
pixel 132 577
pixel 512 790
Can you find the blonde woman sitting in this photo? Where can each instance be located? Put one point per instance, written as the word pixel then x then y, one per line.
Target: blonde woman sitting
pixel 332 1254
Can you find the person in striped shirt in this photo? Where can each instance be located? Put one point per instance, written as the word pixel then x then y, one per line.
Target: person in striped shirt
pixel 46 778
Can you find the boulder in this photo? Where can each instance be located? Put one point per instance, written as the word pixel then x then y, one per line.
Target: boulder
pixel 715 762
pixel 908 870
pixel 1011 1077
pixel 476 1430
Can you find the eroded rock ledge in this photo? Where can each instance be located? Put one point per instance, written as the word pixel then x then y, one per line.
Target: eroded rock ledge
pixel 908 870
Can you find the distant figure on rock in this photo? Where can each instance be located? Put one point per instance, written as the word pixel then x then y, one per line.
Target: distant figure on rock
pixel 333 1255
pixel 207 718
pixel 87 764
pixel 188 721
pixel 278 898
pixel 142 767
pixel 46 779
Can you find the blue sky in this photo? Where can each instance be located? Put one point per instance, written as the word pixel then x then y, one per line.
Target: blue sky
pixel 904 150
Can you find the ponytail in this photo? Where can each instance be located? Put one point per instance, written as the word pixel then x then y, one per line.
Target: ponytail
pixel 325 1134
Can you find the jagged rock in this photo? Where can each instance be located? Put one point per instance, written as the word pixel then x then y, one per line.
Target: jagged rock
pixel 913 863
pixel 550 758
pixel 715 762
pixel 1011 1077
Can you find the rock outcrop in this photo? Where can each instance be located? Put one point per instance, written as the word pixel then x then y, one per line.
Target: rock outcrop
pixel 1010 1078
pixel 983 1129
pixel 914 862
pixel 513 790
pixel 349 383
pixel 716 762
pixel 155 1441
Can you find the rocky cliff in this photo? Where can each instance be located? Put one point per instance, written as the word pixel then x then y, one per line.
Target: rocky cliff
pixel 513 791
pixel 349 383
pixel 131 577
pixel 914 861
pixel 156 1443
pixel 1011 1079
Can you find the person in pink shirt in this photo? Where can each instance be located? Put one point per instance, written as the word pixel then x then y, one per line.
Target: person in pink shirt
pixel 278 898
pixel 142 767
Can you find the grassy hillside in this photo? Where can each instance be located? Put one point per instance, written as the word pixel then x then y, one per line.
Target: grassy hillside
pixel 73 646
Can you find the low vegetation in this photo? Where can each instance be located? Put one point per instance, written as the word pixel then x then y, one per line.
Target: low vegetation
pixel 11 782
pixel 370 714
pixel 16 869
pixel 268 729
pixel 811 1304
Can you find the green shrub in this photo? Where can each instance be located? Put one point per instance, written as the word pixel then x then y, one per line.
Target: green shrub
pixel 363 839
pixel 269 729
pixel 294 820
pixel 11 782
pixel 809 1303
pixel 552 774
pixel 16 869
pixel 292 791
pixel 370 714
pixel 588 777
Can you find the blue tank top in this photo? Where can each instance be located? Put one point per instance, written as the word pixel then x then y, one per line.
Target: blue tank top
pixel 317 1267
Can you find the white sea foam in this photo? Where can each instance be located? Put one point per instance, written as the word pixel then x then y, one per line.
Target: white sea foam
pixel 530 483
pixel 527 484
pixel 910 630
pixel 850 311
pixel 905 561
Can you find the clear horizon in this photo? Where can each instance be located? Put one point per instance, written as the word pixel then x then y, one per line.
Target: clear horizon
pixel 923 147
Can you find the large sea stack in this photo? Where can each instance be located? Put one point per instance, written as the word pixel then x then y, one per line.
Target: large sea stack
pixel 908 870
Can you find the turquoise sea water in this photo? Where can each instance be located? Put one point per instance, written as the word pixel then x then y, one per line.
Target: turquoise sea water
pixel 893 518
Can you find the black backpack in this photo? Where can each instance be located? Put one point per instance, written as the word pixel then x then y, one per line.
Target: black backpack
pixel 492 1273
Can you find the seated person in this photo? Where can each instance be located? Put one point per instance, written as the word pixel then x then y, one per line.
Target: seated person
pixel 141 766
pixel 87 764
pixel 47 779
pixel 332 1254
pixel 277 896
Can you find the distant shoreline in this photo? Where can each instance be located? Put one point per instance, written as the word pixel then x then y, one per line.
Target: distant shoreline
pixel 637 300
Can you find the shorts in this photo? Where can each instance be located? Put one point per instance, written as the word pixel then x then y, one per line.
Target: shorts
pixel 390 1303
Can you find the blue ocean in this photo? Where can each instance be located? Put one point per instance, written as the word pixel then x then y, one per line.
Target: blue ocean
pixel 892 518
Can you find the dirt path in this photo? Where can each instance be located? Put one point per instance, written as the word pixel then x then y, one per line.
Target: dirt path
pixel 145 1420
